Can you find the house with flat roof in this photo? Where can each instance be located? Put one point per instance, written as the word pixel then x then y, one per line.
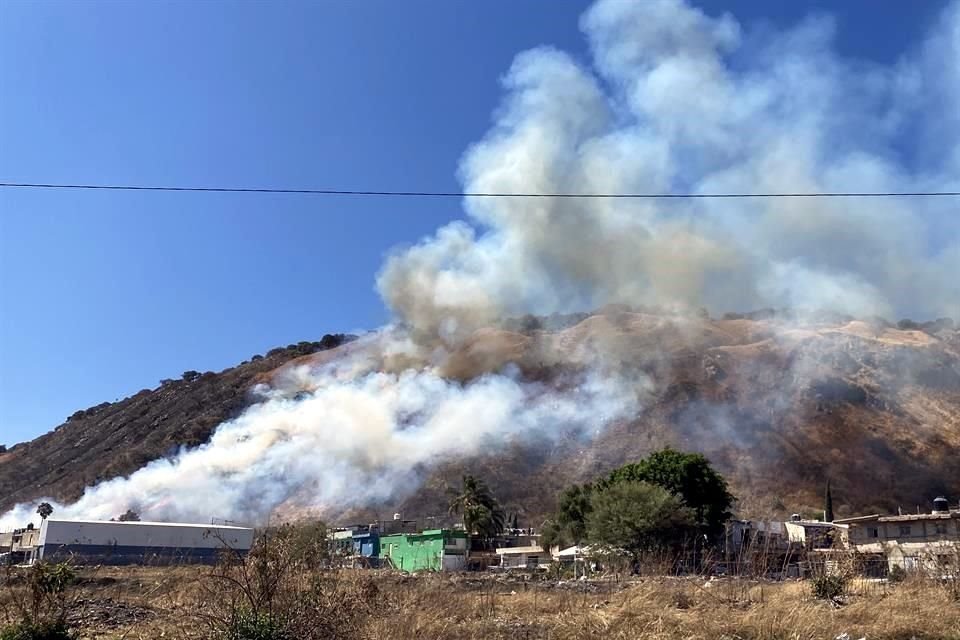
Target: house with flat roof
pixel 529 557
pixel 916 541
pixel 431 550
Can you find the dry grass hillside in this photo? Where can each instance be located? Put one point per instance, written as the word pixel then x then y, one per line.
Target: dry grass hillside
pixel 115 439
pixel 778 404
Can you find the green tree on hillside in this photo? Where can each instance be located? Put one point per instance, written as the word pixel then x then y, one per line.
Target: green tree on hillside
pixel 637 517
pixel 687 475
pixel 479 511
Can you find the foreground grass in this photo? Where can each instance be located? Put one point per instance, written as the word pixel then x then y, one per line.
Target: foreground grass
pixel 145 602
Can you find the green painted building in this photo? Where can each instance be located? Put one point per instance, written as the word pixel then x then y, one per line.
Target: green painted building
pixel 431 550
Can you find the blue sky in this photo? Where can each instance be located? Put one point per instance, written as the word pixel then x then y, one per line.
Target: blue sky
pixel 105 293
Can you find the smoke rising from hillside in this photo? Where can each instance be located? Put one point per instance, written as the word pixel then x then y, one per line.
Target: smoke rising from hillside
pixel 674 100
pixel 348 434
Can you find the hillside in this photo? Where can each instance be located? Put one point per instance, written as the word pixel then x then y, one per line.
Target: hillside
pixel 778 403
pixel 116 439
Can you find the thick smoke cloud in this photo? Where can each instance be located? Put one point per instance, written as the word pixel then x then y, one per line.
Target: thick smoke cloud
pixel 674 100
pixel 348 434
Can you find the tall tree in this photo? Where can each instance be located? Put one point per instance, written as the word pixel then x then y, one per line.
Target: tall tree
pixel 637 517
pixel 568 526
pixel 45 510
pixel 688 475
pixel 828 503
pixel 479 511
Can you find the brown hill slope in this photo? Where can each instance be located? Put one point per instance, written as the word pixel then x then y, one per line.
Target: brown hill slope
pixel 779 405
pixel 116 439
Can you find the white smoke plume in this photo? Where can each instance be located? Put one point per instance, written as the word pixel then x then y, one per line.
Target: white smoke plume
pixel 347 434
pixel 678 101
pixel 672 100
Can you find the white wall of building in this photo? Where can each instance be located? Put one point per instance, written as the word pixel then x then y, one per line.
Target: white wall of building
pixel 144 534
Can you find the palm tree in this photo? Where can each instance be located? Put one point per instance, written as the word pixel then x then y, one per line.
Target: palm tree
pixel 479 511
pixel 45 510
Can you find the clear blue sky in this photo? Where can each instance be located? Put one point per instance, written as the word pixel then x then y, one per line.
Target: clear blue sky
pixel 105 293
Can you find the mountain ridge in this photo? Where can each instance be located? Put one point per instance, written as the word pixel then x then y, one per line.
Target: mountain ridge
pixel 777 403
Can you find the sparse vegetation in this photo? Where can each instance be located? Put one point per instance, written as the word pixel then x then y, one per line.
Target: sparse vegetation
pixel 828 586
pixel 154 602
pixel 37 631
pixel 896 574
pixel 278 592
pixel 35 602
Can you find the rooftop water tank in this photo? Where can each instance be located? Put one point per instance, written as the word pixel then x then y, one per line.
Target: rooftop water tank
pixel 941 505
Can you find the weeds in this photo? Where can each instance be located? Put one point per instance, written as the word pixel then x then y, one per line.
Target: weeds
pixel 36 602
pixel 25 630
pixel 278 592
pixel 828 586
pixel 896 574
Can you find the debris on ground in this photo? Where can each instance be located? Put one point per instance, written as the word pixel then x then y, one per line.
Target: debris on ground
pixel 106 613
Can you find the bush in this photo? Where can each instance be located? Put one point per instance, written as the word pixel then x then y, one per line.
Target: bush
pixel 249 625
pixel 282 590
pixel 897 574
pixel 828 587
pixel 27 630
pixel 40 609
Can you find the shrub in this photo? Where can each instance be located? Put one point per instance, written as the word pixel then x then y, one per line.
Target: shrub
pixel 39 610
pixel 897 574
pixel 26 630
pixel 828 587
pixel 249 625
pixel 282 590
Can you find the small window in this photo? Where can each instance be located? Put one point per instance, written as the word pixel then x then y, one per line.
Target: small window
pixel 873 532
pixel 905 530
pixel 941 528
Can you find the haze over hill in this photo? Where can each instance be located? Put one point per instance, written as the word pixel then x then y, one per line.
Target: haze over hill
pixel 672 100
pixel 778 404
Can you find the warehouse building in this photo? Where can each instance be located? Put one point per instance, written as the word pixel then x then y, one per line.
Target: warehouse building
pixel 115 543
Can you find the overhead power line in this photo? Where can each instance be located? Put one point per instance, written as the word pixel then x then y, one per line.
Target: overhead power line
pixel 468 194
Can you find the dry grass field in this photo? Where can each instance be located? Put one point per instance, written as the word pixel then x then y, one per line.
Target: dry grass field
pixel 194 602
